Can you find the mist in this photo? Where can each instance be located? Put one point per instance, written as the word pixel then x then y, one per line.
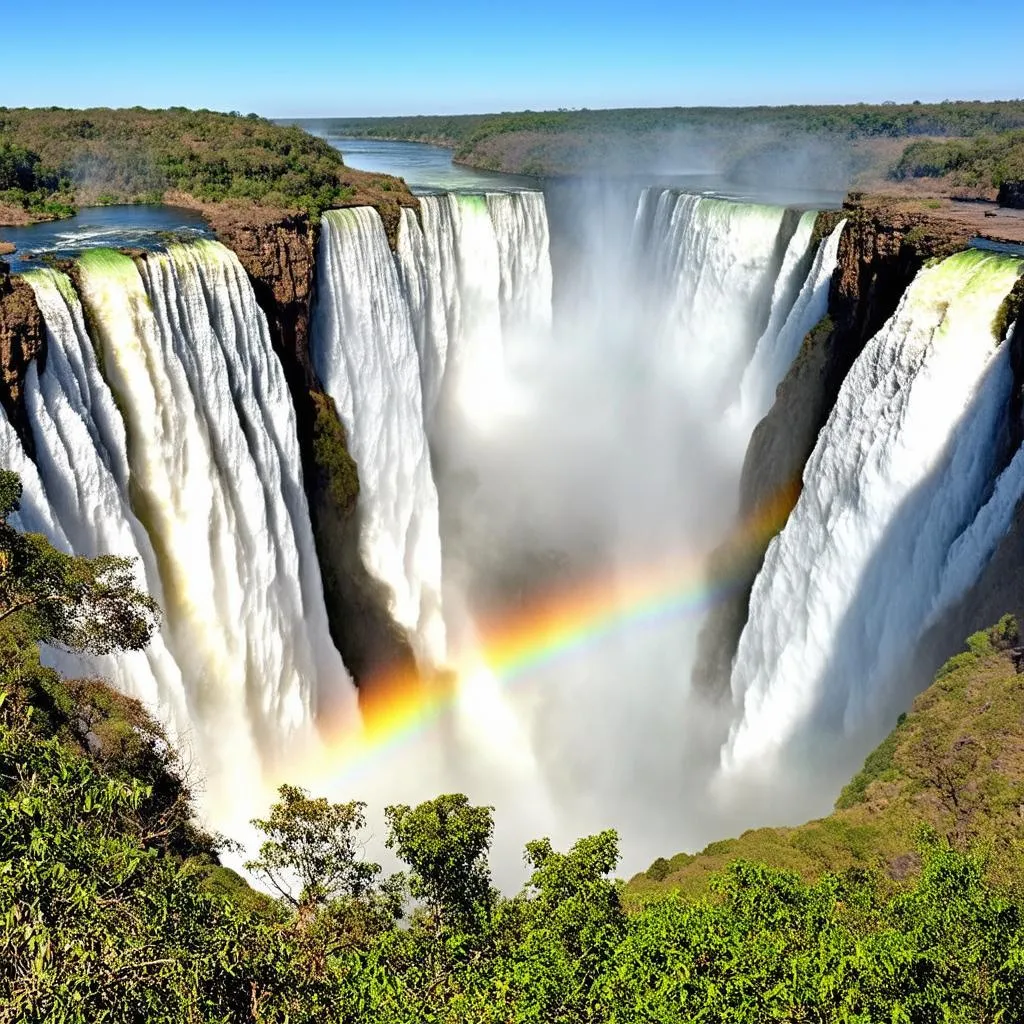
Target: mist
pixel 601 455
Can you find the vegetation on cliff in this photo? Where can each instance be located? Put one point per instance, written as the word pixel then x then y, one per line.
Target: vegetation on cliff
pixel 953 765
pixel 331 454
pixel 52 160
pixel 112 906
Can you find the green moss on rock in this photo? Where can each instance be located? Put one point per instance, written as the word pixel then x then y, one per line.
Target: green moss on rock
pixel 825 223
pixel 331 454
pixel 877 767
pixel 816 336
pixel 1009 310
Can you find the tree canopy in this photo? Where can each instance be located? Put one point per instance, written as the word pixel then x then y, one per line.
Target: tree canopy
pixel 114 907
pixel 52 160
pixel 91 605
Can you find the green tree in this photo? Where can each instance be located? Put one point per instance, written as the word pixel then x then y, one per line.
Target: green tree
pixel 89 605
pixel 560 935
pixel 311 854
pixel 445 841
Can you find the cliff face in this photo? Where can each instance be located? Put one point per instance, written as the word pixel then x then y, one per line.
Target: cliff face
pixel 1011 194
pixel 22 339
pixel 279 254
pixel 884 245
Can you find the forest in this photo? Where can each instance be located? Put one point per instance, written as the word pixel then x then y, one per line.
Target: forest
pixel 987 160
pixel 855 120
pixel 970 145
pixel 114 905
pixel 53 160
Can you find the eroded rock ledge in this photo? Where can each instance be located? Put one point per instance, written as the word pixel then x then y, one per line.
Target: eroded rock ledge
pixel 22 339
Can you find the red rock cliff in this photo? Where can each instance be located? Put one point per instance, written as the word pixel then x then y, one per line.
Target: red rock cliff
pixel 22 339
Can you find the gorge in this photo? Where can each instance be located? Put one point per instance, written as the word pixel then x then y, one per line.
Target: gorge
pixel 771 449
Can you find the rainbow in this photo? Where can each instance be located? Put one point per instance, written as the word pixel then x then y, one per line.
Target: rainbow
pixel 563 622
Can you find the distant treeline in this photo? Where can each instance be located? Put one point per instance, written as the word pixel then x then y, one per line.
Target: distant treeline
pixel 53 159
pixel 857 121
pixel 987 160
pixel 739 138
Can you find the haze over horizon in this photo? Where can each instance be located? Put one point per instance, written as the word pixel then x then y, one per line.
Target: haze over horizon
pixel 354 62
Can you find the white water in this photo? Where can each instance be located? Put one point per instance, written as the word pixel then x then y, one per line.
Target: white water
pixel 794 313
pixel 899 472
pixel 393 336
pixel 520 224
pixel 364 351
pixel 589 440
pixel 199 479
pixel 428 266
pixel 615 457
pixel 477 279
pixel 81 453
pixel 712 267
pixel 34 514
pixel 476 362
pixel 973 548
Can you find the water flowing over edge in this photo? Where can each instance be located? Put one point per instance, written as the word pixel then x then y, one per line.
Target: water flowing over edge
pixel 900 471
pixel 173 428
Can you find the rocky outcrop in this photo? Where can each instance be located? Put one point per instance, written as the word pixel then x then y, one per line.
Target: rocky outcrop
pixel 1011 194
pixel 22 339
pixel 884 245
pixel 278 252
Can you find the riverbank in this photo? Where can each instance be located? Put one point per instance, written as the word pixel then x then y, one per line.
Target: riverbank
pixel 57 161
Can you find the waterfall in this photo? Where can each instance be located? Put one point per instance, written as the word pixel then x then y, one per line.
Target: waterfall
pixel 364 351
pixel 520 227
pixel 392 335
pixel 793 314
pixel 902 469
pixel 476 361
pixel 82 457
pixel 168 435
pixel 163 430
pixel 34 514
pixel 711 267
pixel 428 267
pixel 477 280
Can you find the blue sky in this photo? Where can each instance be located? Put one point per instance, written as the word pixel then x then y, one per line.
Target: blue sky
pixel 323 57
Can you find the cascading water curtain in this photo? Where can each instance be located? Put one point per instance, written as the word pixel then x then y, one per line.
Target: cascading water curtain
pixel 901 470
pixel 169 436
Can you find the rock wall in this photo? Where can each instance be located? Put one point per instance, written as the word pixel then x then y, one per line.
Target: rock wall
pixel 1011 194
pixel 279 254
pixel 22 339
pixel 884 245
